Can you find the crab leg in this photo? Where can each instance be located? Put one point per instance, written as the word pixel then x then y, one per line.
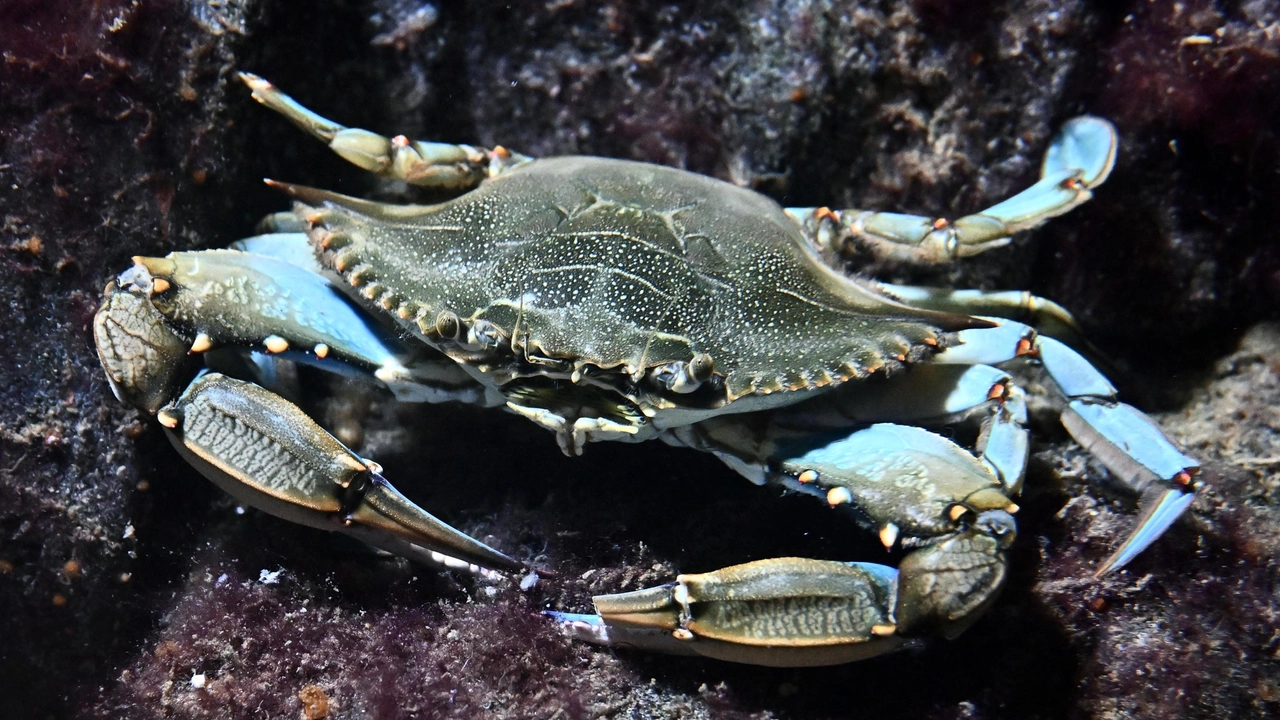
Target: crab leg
pixel 934 395
pixel 268 454
pixel 1078 159
pixel 228 298
pixel 1128 442
pixel 931 395
pixel 430 164
pixel 1048 317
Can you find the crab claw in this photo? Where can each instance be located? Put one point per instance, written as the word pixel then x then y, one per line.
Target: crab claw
pixel 783 612
pixel 143 358
pixel 268 454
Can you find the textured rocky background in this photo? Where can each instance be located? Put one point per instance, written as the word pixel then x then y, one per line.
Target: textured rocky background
pixel 129 587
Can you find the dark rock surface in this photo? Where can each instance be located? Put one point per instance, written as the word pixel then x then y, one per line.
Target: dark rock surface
pixel 132 588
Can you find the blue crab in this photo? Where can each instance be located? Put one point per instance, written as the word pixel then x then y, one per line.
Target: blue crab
pixel 613 300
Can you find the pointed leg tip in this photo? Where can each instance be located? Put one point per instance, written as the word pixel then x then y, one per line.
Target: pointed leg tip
pixel 256 83
pixel 1156 518
pixel 580 626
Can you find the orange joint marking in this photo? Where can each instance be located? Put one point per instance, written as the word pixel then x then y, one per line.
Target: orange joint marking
pixel 1025 347
pixel 808 476
pixel 1073 184
pixel 839 496
pixel 1183 478
pixel 400 141
pixel 998 391
pixel 159 285
pixel 826 213
pixel 941 223
pixel 501 153
pixel 202 343
pixel 275 344
pixel 321 350
pixel 315 218
pixel 889 536
pixel 931 342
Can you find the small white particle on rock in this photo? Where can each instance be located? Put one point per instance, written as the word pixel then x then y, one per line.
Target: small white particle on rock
pixel 270 577
pixel 198 680
pixel 528 582
pixel 128 531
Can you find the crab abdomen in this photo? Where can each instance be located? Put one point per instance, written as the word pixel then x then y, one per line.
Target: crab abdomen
pixel 623 265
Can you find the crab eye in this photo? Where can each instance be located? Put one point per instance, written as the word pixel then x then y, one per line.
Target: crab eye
pixel 701 367
pixel 447 325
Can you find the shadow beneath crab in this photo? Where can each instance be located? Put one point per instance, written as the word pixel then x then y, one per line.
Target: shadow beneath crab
pixel 624 517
